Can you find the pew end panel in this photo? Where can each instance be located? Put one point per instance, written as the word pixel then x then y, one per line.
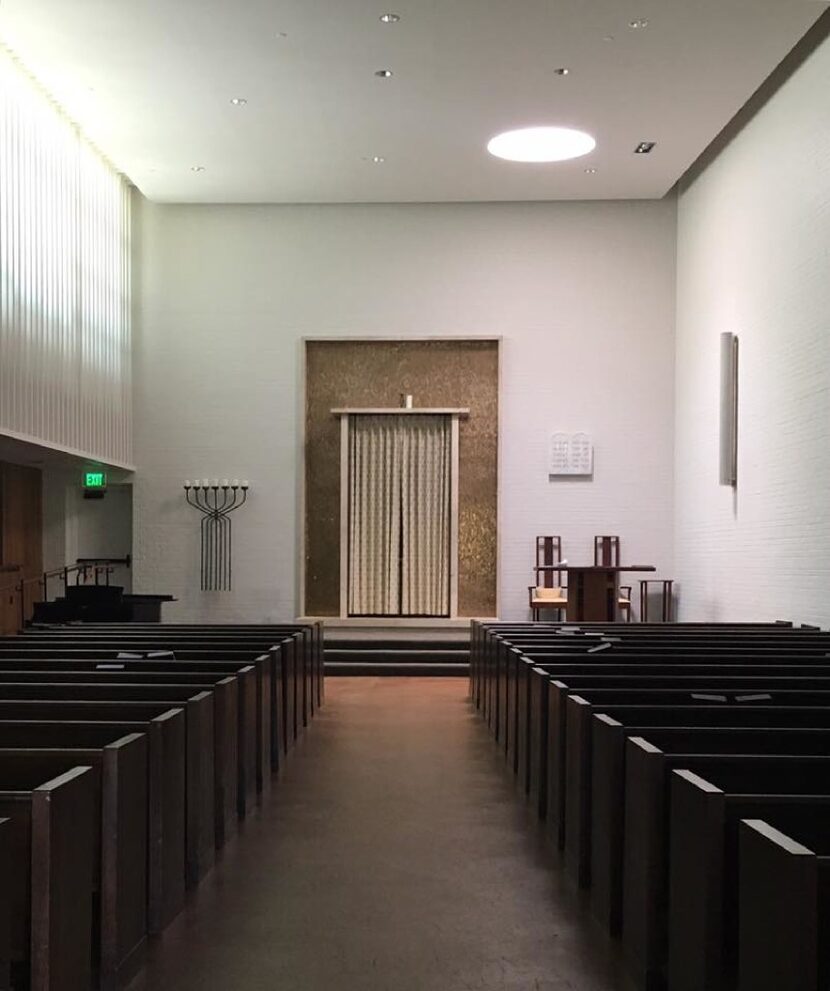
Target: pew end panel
pixel 695 854
pixel 557 693
pixel 279 740
pixel 167 784
pixel 263 722
pixel 607 820
pixel 778 940
pixel 578 790
pixel 5 905
pixel 538 732
pixel 226 769
pixel 200 807
pixel 247 745
pixel 645 864
pixel 124 860
pixel 63 822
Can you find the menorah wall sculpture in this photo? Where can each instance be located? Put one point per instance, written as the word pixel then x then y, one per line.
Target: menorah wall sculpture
pixel 216 502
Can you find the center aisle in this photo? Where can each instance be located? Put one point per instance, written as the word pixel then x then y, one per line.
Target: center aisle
pixel 393 855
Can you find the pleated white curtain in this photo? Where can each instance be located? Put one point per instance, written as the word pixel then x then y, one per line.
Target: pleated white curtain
pixel 425 504
pixel 374 516
pixel 399 515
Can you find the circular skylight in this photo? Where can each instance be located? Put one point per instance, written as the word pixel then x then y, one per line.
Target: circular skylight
pixel 541 144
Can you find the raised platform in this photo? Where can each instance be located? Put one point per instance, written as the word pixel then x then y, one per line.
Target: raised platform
pixel 397 652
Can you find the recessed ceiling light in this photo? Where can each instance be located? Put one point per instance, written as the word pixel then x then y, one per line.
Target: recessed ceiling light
pixel 645 147
pixel 390 18
pixel 197 168
pixel 378 159
pixel 239 101
pixel 562 72
pixel 590 171
pixel 384 73
pixel 638 24
pixel 541 144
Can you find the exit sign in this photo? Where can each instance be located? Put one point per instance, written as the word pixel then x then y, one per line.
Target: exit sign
pixel 95 480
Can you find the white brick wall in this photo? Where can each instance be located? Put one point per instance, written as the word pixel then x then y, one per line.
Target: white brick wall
pixel 754 259
pixel 582 293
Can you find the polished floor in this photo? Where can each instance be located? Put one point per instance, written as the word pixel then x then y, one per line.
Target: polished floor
pixel 393 855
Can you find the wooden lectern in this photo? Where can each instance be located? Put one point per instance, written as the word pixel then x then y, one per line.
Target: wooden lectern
pixel 593 591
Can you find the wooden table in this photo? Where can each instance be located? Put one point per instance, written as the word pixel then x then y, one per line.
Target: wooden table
pixel 593 590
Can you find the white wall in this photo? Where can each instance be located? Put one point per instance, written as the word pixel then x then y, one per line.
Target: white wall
pixel 754 259
pixel 583 295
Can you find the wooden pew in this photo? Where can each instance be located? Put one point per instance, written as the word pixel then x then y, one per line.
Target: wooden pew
pixel 50 858
pixel 784 904
pixel 512 696
pixel 302 679
pixel 545 713
pixel 642 680
pixel 253 699
pixel 165 739
pixel 570 745
pixel 309 640
pixel 625 776
pixel 511 688
pixel 648 831
pixel 203 646
pixel 487 638
pixel 619 641
pixel 780 708
pixel 200 833
pixel 234 788
pixel 530 720
pixel 267 666
pixel 703 863
pixel 269 669
pixel 119 773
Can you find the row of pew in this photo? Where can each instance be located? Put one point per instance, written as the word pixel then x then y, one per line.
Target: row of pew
pixel 683 772
pixel 128 757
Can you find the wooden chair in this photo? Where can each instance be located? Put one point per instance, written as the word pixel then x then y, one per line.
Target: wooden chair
pixel 548 592
pixel 607 554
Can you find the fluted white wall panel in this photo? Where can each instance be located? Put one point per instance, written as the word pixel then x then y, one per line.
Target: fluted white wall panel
pixel 64 281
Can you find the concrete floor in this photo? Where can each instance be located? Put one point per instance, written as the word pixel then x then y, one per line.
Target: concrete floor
pixel 393 855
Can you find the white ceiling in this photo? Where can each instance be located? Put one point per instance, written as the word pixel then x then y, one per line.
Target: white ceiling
pixel 150 81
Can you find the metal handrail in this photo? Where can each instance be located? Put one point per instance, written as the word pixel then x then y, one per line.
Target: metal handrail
pixel 88 566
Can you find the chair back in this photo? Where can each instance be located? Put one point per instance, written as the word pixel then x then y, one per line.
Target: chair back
pixel 548 555
pixel 607 552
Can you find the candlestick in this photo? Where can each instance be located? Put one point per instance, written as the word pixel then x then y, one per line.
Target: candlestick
pixel 215 528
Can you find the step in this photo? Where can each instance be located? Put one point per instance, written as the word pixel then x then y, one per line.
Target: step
pixel 404 656
pixel 369 669
pixel 394 643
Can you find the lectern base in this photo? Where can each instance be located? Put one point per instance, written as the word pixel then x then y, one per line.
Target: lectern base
pixel 592 595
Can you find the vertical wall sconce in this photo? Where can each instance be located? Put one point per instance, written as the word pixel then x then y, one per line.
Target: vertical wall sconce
pixel 728 409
